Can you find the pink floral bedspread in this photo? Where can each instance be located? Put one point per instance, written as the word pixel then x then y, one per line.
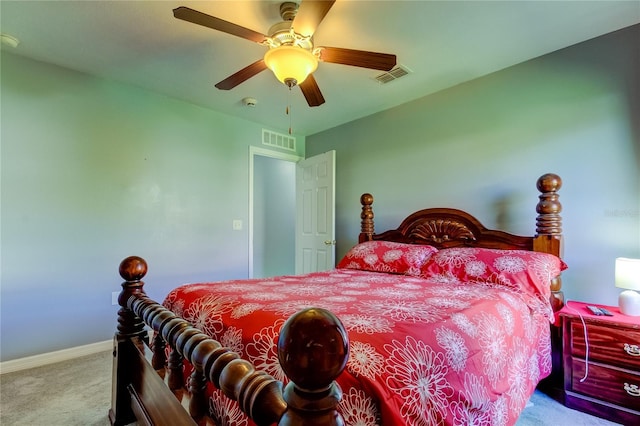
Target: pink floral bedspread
pixel 422 352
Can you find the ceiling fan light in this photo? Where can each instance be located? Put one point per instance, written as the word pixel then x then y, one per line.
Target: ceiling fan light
pixel 290 63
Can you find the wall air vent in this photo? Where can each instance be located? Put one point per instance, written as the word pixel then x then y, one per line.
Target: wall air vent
pixel 278 140
pixel 394 74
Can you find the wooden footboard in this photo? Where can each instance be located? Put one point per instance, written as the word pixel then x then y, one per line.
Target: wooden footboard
pixel 313 349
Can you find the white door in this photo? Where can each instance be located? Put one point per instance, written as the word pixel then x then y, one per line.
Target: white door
pixel 315 213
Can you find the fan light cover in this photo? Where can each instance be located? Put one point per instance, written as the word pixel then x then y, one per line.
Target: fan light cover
pixel 290 63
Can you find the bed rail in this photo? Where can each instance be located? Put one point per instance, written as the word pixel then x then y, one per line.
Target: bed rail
pixel 313 348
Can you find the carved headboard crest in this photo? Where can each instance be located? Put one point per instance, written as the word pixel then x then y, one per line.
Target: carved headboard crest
pixel 441 231
pixel 441 227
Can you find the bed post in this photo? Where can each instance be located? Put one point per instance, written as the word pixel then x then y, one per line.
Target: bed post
pixel 130 328
pixel 366 225
pixel 548 239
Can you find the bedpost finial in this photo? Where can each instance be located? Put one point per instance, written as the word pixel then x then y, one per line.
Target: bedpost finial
pixel 313 348
pixel 133 268
pixel 366 225
pixel 549 221
pixel 549 182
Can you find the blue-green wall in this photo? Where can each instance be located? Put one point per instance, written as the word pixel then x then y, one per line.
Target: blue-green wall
pixel 480 146
pixel 94 171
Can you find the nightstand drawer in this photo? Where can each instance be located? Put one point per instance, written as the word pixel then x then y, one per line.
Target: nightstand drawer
pixel 609 384
pixel 610 345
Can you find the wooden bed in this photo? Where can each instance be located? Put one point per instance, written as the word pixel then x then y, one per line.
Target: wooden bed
pixel 148 378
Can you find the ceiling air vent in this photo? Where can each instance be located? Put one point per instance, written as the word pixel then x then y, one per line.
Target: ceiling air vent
pixel 278 140
pixel 394 74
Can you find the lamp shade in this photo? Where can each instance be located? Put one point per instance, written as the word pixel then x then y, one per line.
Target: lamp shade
pixel 628 273
pixel 628 277
pixel 290 64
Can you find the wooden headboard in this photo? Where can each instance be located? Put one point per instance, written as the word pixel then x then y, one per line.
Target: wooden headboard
pixel 444 227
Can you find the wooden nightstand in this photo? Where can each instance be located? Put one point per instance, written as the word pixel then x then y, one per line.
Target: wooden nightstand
pixel 611 389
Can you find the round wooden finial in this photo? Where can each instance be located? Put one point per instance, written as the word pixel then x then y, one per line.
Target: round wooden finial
pixel 133 268
pixel 313 348
pixel 549 182
pixel 366 199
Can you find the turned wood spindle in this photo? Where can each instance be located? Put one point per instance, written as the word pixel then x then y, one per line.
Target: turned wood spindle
pixel 549 221
pixel 159 359
pixel 366 225
pixel 175 370
pixel 197 389
pixel 549 237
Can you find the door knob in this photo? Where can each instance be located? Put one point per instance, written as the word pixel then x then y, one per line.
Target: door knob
pixel 330 242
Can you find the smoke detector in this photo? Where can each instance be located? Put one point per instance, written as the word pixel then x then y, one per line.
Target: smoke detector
pixel 250 102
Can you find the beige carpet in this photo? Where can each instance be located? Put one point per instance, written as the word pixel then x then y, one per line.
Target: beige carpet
pixel 74 392
pixel 78 392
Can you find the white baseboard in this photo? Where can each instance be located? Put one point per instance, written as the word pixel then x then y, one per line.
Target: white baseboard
pixel 53 357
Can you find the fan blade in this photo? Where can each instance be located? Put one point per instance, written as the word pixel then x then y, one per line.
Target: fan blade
pixel 310 14
pixel 241 76
pixel 195 17
pixel 311 91
pixel 358 58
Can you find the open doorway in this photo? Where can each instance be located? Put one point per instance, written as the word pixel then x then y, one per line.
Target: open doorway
pixel 272 211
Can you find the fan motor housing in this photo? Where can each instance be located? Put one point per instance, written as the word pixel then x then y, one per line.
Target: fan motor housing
pixel 281 34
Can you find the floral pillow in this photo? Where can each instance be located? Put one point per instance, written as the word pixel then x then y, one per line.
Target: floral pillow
pixel 519 269
pixel 386 256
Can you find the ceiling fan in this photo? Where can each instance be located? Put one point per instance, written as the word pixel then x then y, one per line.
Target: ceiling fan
pixel 292 55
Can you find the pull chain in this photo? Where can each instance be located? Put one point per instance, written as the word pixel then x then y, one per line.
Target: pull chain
pixel 289 82
pixel 289 108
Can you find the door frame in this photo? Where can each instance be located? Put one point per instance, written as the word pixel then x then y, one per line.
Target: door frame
pixel 253 151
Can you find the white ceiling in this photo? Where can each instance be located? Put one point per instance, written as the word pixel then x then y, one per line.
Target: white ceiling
pixel 443 43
